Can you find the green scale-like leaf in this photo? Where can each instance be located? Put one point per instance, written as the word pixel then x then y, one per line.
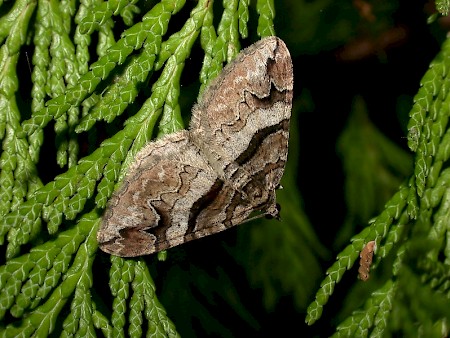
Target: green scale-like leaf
pixel 379 229
pixel 429 116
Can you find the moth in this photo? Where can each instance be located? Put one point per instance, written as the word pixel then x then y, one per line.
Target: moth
pixel 366 256
pixel 227 165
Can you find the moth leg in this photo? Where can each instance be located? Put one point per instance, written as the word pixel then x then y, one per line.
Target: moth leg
pixel 237 178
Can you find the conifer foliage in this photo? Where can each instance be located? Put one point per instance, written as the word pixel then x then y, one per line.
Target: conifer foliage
pixel 99 79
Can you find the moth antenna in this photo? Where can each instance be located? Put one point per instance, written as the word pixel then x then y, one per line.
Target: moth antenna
pixel 28 61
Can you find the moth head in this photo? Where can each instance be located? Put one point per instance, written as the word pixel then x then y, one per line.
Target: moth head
pixel 273 211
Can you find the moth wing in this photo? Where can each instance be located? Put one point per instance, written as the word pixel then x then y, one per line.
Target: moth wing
pixel 151 210
pixel 265 168
pixel 251 98
pixel 224 206
pixel 221 208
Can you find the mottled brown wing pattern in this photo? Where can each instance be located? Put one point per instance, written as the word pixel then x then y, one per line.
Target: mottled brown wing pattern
pixel 198 182
pixel 251 97
pixel 150 212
